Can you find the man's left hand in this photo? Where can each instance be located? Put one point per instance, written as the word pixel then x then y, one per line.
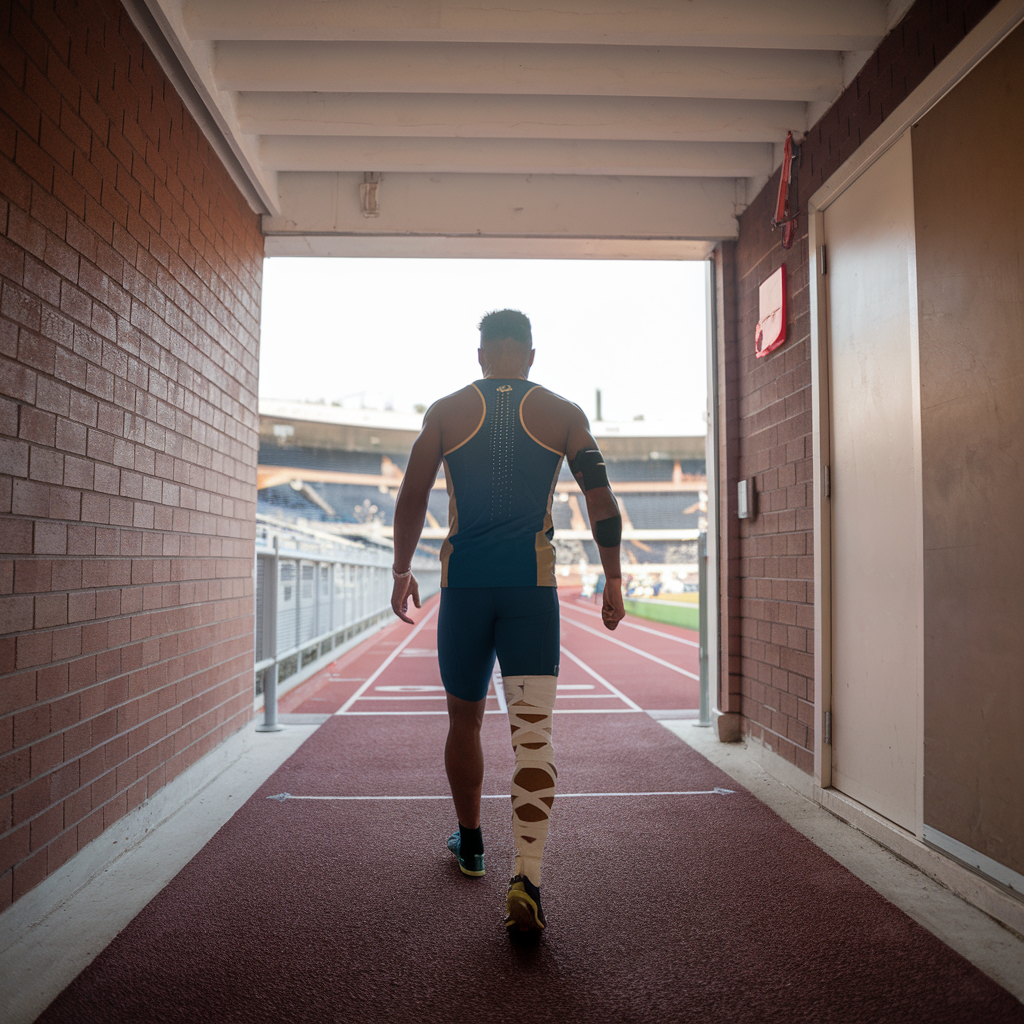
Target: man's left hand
pixel 400 594
pixel 612 611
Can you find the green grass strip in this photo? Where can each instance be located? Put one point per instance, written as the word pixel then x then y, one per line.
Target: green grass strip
pixel 671 613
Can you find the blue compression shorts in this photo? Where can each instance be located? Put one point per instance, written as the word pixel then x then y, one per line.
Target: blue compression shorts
pixel 518 624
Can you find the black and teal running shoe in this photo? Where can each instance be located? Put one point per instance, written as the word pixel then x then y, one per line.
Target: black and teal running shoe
pixel 522 904
pixel 473 864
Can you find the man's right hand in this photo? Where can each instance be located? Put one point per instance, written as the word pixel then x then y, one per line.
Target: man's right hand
pixel 612 612
pixel 400 594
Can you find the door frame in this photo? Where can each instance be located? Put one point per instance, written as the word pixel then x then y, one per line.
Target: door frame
pixel 979 42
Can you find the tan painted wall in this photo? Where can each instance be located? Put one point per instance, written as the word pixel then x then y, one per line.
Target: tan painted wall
pixel 969 194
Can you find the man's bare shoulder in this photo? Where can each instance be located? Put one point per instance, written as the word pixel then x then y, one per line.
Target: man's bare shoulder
pixel 547 402
pixel 456 416
pixel 552 419
pixel 456 401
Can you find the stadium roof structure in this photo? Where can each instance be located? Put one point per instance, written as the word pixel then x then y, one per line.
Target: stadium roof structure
pixel 314 425
pixel 589 128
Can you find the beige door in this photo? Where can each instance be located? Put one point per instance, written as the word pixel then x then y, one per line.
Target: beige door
pixel 876 488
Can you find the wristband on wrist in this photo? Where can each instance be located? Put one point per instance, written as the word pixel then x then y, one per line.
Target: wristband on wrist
pixel 396 575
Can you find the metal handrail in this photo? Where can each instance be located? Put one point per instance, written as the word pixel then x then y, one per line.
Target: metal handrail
pixel 349 618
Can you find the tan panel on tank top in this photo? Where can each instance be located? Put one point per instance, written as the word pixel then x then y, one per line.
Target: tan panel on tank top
pixel 545 549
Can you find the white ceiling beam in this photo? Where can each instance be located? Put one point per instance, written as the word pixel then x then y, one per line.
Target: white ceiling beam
pixel 521 117
pixel 517 156
pixel 785 24
pixel 522 69
pixel 429 247
pixel 509 206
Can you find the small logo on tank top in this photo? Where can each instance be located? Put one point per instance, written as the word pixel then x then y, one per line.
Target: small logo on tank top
pixel 505 387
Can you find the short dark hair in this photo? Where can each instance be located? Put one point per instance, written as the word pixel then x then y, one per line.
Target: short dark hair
pixel 506 323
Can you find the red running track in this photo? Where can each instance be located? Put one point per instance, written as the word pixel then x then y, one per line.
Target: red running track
pixel 639 665
pixel 671 903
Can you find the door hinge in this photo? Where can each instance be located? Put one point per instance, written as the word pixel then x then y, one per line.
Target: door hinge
pixel 823 260
pixel 828 728
pixel 826 481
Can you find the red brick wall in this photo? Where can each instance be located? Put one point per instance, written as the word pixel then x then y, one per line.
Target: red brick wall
pixel 767 672
pixel 130 273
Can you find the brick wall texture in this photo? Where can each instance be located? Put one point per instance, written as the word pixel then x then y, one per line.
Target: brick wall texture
pixel 130 276
pixel 767 571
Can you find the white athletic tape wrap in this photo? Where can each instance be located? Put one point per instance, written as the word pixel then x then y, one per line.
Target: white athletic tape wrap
pixel 531 700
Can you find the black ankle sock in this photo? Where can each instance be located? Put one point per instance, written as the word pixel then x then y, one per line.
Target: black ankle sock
pixel 471 841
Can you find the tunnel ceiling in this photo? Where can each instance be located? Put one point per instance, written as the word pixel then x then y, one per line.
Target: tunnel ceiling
pixel 587 128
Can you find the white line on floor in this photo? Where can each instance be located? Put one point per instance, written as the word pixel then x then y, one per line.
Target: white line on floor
pixel 717 791
pixel 629 647
pixel 633 706
pixel 632 625
pixel 387 661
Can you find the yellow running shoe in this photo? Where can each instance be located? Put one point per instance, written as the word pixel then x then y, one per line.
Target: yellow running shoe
pixel 523 906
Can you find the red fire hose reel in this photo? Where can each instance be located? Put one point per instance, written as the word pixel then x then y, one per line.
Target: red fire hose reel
pixel 784 216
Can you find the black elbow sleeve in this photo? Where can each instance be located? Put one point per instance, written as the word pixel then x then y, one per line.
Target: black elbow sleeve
pixel 588 463
pixel 608 532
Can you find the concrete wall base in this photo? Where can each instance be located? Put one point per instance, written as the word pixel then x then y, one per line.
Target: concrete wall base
pixel 728 725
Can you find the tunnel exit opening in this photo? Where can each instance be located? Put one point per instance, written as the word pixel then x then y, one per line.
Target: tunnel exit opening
pixel 354 350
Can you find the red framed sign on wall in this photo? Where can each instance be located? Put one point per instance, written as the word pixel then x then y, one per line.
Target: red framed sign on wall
pixel 770 332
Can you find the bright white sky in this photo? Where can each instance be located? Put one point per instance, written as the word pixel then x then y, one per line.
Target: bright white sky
pixel 404 332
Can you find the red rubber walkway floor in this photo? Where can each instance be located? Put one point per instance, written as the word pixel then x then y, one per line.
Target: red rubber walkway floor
pixel 671 893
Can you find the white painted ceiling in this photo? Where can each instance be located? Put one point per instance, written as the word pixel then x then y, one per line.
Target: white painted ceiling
pixel 587 128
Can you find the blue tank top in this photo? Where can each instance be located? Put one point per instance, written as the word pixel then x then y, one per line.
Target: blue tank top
pixel 501 481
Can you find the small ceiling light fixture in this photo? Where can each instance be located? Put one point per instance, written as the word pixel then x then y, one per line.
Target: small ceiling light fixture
pixel 369 201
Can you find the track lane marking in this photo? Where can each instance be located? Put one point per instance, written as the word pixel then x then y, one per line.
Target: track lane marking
pixel 633 706
pixel 632 625
pixel 635 650
pixel 496 711
pixel 343 710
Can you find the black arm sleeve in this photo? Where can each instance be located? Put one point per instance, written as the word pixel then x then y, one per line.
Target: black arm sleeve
pixel 608 532
pixel 588 463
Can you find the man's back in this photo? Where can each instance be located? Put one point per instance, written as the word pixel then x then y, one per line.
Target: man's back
pixel 502 445
pixel 548 417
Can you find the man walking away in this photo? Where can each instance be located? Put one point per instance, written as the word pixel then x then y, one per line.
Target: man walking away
pixel 502 440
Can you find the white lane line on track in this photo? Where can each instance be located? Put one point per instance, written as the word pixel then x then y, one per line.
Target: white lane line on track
pixel 496 711
pixel 410 696
pixel 633 625
pixel 387 661
pixel 717 791
pixel 490 696
pixel 635 650
pixel 633 706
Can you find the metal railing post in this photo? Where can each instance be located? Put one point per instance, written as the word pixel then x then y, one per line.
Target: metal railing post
pixel 702 622
pixel 270 723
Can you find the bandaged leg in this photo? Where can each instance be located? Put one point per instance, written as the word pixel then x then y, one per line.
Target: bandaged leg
pixel 531 700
